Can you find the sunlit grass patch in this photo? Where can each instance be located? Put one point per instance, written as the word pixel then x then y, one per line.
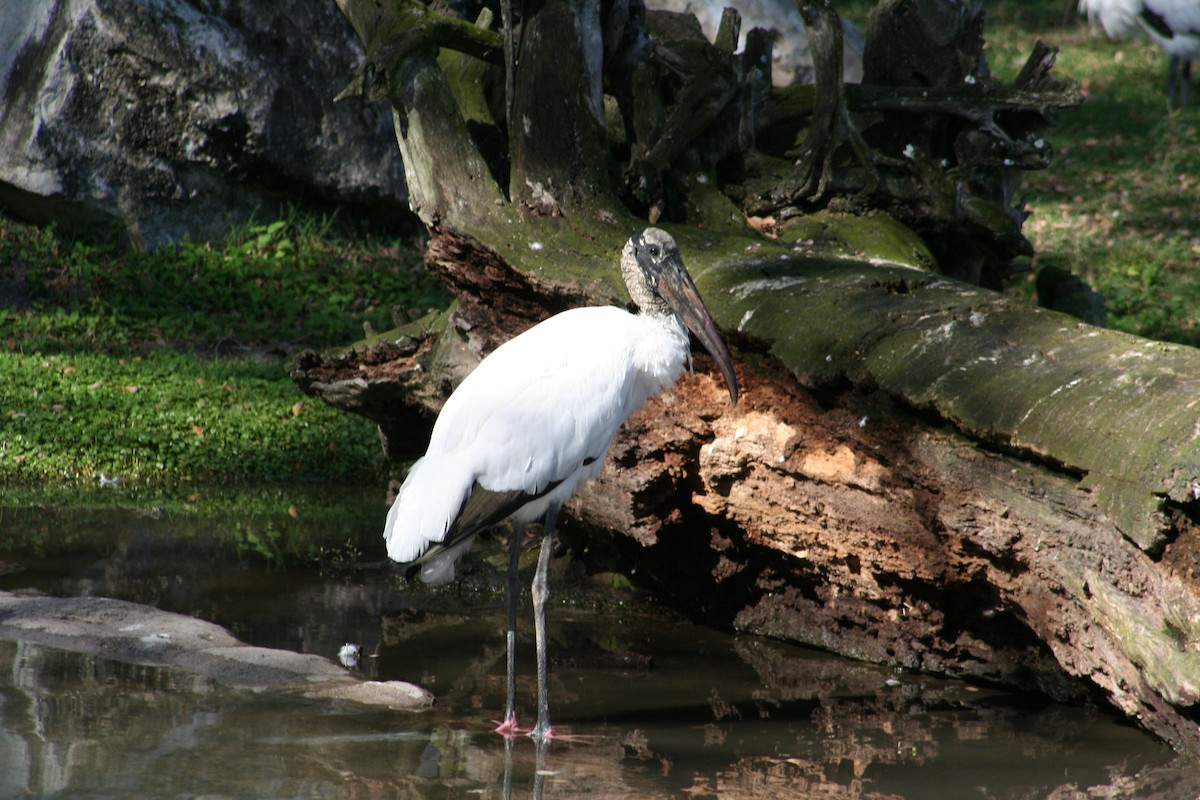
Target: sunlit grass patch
pixel 171 366
pixel 166 416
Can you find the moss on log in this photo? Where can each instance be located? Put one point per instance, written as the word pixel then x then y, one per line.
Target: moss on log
pixel 1096 403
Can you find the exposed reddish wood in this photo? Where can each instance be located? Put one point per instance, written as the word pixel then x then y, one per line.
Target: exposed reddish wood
pixel 480 277
pixel 858 528
pixel 379 382
pixel 821 530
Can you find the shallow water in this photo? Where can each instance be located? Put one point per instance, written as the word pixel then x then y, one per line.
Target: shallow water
pixel 656 706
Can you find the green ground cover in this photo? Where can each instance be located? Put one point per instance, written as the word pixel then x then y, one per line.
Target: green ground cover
pixel 1119 206
pixel 170 367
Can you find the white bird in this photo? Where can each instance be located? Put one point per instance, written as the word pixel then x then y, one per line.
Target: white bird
pixel 1174 25
pixel 534 421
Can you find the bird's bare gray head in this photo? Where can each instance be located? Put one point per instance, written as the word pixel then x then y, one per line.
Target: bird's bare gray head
pixel 646 256
pixel 659 284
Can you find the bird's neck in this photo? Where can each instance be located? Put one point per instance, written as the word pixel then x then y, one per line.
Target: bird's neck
pixel 662 350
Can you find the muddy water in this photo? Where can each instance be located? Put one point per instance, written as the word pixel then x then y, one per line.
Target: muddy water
pixel 655 706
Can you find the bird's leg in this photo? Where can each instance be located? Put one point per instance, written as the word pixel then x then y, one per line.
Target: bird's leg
pixel 539 769
pixel 541 591
pixel 513 589
pixel 508 768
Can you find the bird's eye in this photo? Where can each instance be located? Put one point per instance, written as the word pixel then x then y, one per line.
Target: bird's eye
pixel 654 251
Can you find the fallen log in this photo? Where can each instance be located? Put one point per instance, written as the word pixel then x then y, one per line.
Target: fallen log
pixel 921 472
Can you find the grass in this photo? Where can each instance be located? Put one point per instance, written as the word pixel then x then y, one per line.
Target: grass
pixel 169 367
pixel 293 282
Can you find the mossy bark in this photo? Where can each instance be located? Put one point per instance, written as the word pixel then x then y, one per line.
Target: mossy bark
pixel 921 472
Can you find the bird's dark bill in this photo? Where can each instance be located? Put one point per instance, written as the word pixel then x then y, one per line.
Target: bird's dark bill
pixel 677 288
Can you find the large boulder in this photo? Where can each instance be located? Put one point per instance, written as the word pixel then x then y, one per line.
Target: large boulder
pixel 176 118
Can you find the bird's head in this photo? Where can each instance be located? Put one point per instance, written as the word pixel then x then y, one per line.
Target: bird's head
pixel 659 283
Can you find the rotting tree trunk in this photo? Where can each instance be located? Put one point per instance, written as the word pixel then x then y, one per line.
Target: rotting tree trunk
pixel 917 475
pixel 921 472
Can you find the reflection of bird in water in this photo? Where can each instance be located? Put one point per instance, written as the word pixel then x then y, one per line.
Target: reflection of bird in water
pixel 1174 25
pixel 534 420
pixel 539 770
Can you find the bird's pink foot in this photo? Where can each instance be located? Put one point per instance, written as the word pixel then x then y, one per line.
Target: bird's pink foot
pixel 509 727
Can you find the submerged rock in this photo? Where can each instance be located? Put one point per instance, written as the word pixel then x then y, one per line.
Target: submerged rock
pixel 140 634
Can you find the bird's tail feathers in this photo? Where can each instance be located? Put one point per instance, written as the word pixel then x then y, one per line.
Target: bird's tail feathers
pixel 424 510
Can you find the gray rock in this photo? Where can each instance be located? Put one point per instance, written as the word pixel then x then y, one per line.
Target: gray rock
pixel 139 634
pixel 178 118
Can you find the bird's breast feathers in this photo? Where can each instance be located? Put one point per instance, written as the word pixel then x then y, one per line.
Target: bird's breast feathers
pixel 547 400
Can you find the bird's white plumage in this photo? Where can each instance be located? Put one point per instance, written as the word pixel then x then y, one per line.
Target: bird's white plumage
pixel 535 420
pixel 532 413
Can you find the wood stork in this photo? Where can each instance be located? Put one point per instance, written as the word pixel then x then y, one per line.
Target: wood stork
pixel 534 421
pixel 1174 25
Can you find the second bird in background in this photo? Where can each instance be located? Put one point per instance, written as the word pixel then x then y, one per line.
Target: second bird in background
pixel 1174 25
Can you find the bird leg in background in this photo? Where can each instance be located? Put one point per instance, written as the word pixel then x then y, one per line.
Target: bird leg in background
pixel 1178 90
pixel 508 726
pixel 541 591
